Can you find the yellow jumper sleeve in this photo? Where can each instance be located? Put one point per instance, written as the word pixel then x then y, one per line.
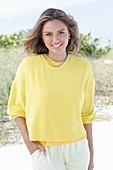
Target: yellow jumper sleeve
pixel 17 102
pixel 88 114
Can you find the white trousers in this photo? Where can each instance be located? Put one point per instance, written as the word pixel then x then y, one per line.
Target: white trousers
pixel 73 156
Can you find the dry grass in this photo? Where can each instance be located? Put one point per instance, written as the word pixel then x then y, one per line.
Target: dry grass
pixel 103 74
pixel 9 61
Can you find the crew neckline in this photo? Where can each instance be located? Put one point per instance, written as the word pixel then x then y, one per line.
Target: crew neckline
pixel 51 59
pixel 57 68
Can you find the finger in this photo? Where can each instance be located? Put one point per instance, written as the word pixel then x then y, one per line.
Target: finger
pixel 41 147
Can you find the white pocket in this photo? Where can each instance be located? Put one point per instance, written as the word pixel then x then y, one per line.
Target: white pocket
pixel 35 152
pixel 35 156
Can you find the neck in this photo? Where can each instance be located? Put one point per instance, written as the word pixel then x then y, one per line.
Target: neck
pixel 57 57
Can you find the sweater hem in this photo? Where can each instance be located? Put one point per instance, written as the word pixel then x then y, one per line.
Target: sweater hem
pixel 54 143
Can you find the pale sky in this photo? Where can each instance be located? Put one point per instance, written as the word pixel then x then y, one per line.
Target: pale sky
pixel 92 15
pixel 9 8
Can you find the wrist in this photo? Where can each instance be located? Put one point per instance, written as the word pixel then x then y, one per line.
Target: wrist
pixel 91 157
pixel 27 140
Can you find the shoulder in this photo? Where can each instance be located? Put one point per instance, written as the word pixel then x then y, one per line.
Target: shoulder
pixel 83 67
pixel 31 61
pixel 28 63
pixel 80 62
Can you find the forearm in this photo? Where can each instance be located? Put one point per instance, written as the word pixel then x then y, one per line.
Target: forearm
pixel 21 123
pixel 88 128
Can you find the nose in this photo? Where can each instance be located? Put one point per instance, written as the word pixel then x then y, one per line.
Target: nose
pixel 55 38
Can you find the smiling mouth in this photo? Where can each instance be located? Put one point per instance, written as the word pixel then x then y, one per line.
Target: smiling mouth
pixel 56 46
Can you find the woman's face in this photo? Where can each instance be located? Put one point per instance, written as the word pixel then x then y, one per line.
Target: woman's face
pixel 55 35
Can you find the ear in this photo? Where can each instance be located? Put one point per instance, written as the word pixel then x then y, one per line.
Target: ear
pixel 68 37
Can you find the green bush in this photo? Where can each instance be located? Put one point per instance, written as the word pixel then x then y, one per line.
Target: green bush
pixel 92 47
pixel 13 40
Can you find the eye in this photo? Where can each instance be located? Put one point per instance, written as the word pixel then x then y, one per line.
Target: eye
pixel 61 32
pixel 48 34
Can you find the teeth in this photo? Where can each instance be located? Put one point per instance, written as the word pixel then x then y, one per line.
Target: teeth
pixel 56 45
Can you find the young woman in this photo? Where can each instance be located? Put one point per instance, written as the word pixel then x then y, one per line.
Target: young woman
pixel 51 98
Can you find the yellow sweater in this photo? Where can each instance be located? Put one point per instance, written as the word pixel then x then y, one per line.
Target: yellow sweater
pixel 54 101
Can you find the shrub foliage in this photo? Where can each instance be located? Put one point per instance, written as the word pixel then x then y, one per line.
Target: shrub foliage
pixel 92 47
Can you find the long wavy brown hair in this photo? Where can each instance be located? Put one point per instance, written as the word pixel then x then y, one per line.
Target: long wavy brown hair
pixel 33 43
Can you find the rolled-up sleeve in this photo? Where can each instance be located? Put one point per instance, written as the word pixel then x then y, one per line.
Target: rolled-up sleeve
pixel 17 99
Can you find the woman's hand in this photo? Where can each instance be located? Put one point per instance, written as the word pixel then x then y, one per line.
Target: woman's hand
pixel 33 146
pixel 91 165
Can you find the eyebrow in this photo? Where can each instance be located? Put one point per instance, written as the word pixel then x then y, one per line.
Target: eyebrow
pixel 57 31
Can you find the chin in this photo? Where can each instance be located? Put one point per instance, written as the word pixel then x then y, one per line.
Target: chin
pixel 57 51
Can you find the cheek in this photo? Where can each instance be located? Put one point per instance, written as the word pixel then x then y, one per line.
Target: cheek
pixel 64 38
pixel 47 41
